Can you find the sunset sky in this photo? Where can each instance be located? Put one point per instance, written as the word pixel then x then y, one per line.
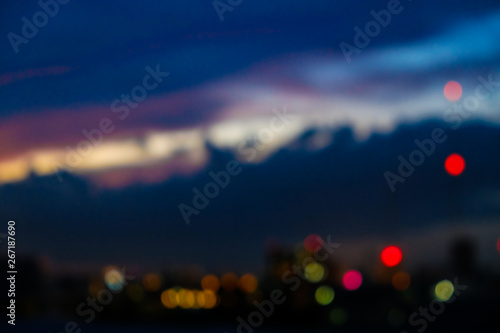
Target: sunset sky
pixel 224 79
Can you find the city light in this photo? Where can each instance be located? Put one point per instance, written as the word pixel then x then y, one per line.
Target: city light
pixel 229 281
pixel 324 295
pixel 248 283
pixel 454 164
pixel 401 281
pixel 313 243
pixel 152 282
pixel 113 278
pixel 391 256
pixel 352 280
pixel 210 282
pixel 444 290
pixel 314 272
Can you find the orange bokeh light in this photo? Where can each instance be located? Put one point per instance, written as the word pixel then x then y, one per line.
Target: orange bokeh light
pixel 401 281
pixel 454 164
pixel 229 281
pixel 151 282
pixel 452 91
pixel 248 283
pixel 391 256
pixel 210 282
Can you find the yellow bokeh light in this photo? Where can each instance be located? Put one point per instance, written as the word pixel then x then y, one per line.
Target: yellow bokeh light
pixel 190 298
pixel 169 298
pixel 401 281
pixel 229 281
pixel 210 282
pixel 248 283
pixel 113 278
pixel 444 290
pixel 199 299
pixel 324 295
pixel 185 301
pixel 152 282
pixel 314 272
pixel 210 299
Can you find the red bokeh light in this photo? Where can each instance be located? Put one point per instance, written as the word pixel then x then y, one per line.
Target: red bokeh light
pixel 498 245
pixel 391 256
pixel 452 91
pixel 454 164
pixel 352 280
pixel 313 243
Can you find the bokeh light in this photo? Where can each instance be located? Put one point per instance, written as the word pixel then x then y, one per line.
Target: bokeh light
pixel 452 91
pixel 498 245
pixel 229 281
pixel 210 299
pixel 188 299
pixel 313 243
pixel 248 283
pixel 338 316
pixel 314 272
pixel 210 282
pixel 169 298
pixel 444 290
pixel 352 280
pixel 391 256
pixel 151 282
pixel 199 299
pixel 324 295
pixel 182 299
pixel 95 287
pixel 401 281
pixel 454 164
pixel 113 278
